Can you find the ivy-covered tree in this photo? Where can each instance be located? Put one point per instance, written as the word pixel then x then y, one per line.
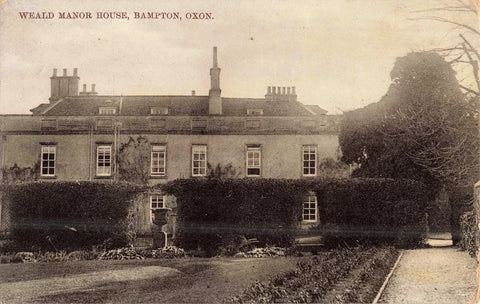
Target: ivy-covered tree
pixel 423 128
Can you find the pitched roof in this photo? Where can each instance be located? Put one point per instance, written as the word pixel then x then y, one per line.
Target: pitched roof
pixel 177 106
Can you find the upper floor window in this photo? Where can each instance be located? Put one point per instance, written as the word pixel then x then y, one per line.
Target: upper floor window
pixel 199 160
pixel 107 111
pixel 158 111
pixel 309 213
pixel 158 160
pixel 254 112
pixel 47 166
pixel 104 160
pixel 253 161
pixel 309 160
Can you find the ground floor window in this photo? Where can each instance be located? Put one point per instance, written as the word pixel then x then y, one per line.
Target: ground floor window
pixel 157 201
pixel 310 209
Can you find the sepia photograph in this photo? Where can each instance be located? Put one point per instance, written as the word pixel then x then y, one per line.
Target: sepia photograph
pixel 256 151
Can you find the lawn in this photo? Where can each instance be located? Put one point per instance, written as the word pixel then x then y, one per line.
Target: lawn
pixel 352 275
pixel 136 281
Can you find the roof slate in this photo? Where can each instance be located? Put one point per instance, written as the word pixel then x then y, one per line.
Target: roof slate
pixel 177 106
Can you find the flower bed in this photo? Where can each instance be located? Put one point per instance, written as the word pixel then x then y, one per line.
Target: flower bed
pixel 313 279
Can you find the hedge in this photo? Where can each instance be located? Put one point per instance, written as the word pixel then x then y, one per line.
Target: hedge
pixel 70 215
pixel 211 211
pixel 372 211
pixel 469 228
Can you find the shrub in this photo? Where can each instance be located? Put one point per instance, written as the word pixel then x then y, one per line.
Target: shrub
pixel 372 211
pixel 70 215
pixel 469 228
pixel 211 210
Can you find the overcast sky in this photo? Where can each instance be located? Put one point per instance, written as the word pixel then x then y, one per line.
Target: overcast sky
pixel 338 54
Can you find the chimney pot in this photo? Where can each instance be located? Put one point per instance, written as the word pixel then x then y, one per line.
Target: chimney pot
pixel 288 90
pixel 274 90
pixel 215 62
pixel 93 87
pixel 269 90
pixel 75 71
pixel 54 72
pixel 64 72
pixel 293 90
pixel 193 92
pixel 279 90
pixel 84 87
pixel 283 91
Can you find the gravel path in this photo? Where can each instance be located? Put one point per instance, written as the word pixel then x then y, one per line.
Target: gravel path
pixel 433 275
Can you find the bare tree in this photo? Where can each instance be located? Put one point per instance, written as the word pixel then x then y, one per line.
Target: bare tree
pixel 465 49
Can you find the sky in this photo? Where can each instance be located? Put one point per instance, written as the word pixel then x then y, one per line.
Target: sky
pixel 337 53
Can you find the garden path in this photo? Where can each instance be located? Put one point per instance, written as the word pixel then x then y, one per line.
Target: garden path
pixel 433 275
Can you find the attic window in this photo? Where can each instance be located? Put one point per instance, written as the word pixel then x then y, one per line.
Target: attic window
pixel 254 112
pixel 158 111
pixel 107 111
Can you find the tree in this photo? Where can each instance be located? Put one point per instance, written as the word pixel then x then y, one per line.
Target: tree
pixel 464 50
pixel 423 128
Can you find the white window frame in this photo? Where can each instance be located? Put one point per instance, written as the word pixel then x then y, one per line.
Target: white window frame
pixel 310 209
pixel 101 168
pixel 154 201
pixel 107 110
pixel 158 167
pixel 199 165
pixel 253 160
pixel 307 152
pixel 50 152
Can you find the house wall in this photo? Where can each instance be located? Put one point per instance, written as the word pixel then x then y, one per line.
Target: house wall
pixel 281 150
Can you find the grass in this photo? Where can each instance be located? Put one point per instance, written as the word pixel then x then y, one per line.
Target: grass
pixel 199 280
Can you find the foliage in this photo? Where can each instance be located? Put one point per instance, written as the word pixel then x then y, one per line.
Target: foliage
pixel 210 210
pixel 368 210
pixel 220 171
pixel 312 279
pixel 423 128
pixel 330 168
pixel 134 160
pixel 469 228
pixel 16 174
pixel 69 215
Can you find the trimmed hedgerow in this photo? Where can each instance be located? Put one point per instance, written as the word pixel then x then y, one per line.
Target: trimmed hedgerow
pixel 351 211
pixel 70 215
pixel 212 210
pixel 469 228
pixel 372 211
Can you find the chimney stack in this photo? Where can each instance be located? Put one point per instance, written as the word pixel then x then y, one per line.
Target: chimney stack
pixel 63 86
pixel 275 93
pixel 214 95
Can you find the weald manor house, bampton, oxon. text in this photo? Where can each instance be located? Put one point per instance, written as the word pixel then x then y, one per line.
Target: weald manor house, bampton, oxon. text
pixel 76 136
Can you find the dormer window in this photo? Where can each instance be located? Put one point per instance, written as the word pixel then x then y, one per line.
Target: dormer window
pixel 107 111
pixel 254 112
pixel 158 111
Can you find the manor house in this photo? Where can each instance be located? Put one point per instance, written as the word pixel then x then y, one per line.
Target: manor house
pixel 78 135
